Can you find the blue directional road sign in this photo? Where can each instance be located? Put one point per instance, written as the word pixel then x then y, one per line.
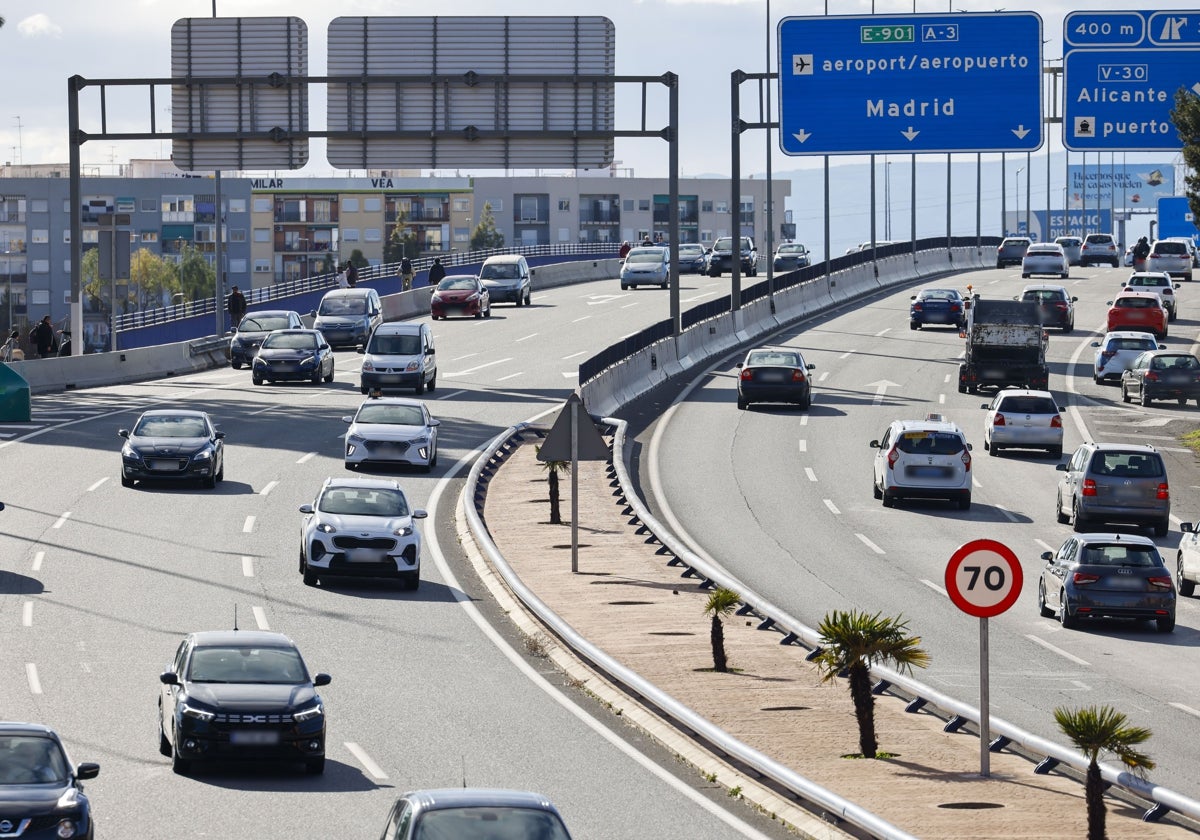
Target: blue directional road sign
pixel 1121 72
pixel 910 83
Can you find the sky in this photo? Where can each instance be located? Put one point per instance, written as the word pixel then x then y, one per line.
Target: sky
pixel 43 44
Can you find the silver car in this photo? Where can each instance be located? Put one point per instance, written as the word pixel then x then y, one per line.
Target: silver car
pixel 646 267
pixel 1045 258
pixel 1023 419
pixel 392 431
pixel 1099 248
pixel 1187 560
pixel 1115 482
pixel 1116 352
pixel 1012 250
pixel 1072 246
pixel 1172 256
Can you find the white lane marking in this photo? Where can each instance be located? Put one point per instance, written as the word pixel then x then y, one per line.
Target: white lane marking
pixel 804 420
pixel 365 760
pixel 266 491
pixel 27 614
pixel 262 410
pixel 248 566
pixel 847 353
pixel 574 355
pixel 248 525
pixel 37 560
pixel 808 471
pixel 567 374
pixel 451 394
pixel 526 338
pixel 832 507
pixel 98 484
pixel 938 589
pixel 1045 545
pixel 476 368
pixel 941 399
pixel 946 381
pixel 305 458
pixel 628 305
pixel 584 318
pixel 823 376
pixel 883 332
pixel 1188 709
pixel 1008 514
pixel 460 358
pixel 511 376
pixel 863 539
pixel 62 520
pixel 260 618
pixel 803 445
pixel 975 483
pixel 1058 650
pixel 31 676
pixel 1081 685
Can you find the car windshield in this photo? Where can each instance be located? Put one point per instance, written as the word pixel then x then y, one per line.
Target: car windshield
pixel 1127 464
pixel 459 282
pixel 230 664
pixel 693 250
pixel 1136 303
pixel 930 443
pixel 1148 281
pixel 773 359
pixel 1131 344
pixel 290 341
pixel 400 415
pixel 31 760
pixel 791 249
pixel 264 323
pixel 1068 243
pixel 395 345
pixel 1181 362
pixel 171 427
pixel 343 306
pixel 1043 295
pixel 363 501
pixel 645 257
pixel 1028 405
pixel 489 823
pixel 1120 554
pixel 499 271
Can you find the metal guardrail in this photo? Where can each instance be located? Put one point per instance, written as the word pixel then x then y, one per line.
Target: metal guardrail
pixel 212 344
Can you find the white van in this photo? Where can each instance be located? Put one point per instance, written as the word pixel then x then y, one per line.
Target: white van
pixel 399 355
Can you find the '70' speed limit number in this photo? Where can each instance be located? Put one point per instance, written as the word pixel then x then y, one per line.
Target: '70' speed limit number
pixel 984 578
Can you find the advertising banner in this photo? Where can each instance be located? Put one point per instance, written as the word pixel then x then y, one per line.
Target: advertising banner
pixel 1133 184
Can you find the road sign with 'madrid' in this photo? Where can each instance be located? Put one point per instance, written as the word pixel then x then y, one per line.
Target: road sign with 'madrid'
pixel 886 84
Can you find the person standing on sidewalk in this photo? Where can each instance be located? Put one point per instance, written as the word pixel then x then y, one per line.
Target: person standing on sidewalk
pixel 43 336
pixel 436 272
pixel 351 275
pixel 237 307
pixel 406 274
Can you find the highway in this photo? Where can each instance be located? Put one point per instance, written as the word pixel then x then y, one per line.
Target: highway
pixel 99 583
pixel 781 498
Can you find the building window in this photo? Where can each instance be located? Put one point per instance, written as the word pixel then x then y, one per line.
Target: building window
pixel 149 205
pixel 39 267
pixel 262 266
pixel 706 236
pixel 349 205
pixel 462 234
pixel 149 236
pixel 262 234
pixel 497 204
pixel 462 205
pixel 722 206
pixel 263 205
pixel 372 205
pixel 433 240
pixel 237 234
pixel 706 206
pixel 237 266
pixel 39 205
pixel 643 235
pixel 91 236
pixel 372 235
pixel 178 208
pixel 321 211
pixel 39 237
pixel 564 204
pixel 627 205
pixel 644 205
pixel 350 235
pixel 237 205
pixel 205 233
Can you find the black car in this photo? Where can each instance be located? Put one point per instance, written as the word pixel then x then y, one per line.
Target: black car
pixel 937 306
pixel 41 795
pixel 774 375
pixel 240 695
pixel 1162 375
pixel 254 328
pixel 293 355
pixel 173 444
pixel 1056 308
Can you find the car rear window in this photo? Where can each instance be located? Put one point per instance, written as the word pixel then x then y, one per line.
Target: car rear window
pixel 930 443
pixel 1028 405
pixel 773 360
pixel 1120 555
pixel 1183 362
pixel 1099 239
pixel 1044 295
pixel 1132 344
pixel 1136 303
pixel 1127 464
pixel 1170 248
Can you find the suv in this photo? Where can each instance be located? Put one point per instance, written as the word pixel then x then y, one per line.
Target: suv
pixel 1171 256
pixel 1114 482
pixel 1099 248
pixel 1011 250
pixel 1056 308
pixel 721 256
pixel 399 355
pixel 347 316
pixel 42 790
pixel 506 277
pixel 927 459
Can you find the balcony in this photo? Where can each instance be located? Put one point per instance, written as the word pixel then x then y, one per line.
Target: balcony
pixel 419 214
pixel 599 217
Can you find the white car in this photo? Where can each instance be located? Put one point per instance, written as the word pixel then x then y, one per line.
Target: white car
pixel 362 528
pixel 1155 281
pixel 1045 258
pixel 1099 248
pixel 1173 256
pixel 1023 419
pixel 1187 560
pixel 392 430
pixel 1117 350
pixel 925 459
pixel 646 267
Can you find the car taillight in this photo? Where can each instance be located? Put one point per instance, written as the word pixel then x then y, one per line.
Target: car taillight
pixel 1163 491
pixel 1060 305
pixel 1151 376
pixel 1056 421
pixel 1107 354
pixel 917 307
pixel 966 459
pixel 1084 578
pixel 797 376
pixel 893 456
pixel 1088 488
pixel 1163 582
pixel 954 307
pixel 999 421
pixel 747 374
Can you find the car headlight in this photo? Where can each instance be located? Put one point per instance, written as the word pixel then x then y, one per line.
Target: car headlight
pixel 196 713
pixel 423 440
pixel 403 531
pixel 326 528
pixel 309 362
pixel 473 296
pixel 436 298
pixel 308 714
pixel 128 451
pixel 413 366
pixel 66 828
pixel 355 438
pixel 260 362
pixel 368 365
pixel 203 455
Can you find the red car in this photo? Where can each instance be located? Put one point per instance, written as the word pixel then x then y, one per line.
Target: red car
pixel 1141 311
pixel 460 294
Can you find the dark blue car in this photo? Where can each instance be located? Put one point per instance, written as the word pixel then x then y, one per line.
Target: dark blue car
pixel 937 306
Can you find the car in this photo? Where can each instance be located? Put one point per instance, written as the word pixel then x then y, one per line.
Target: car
pixel 869 246
pixel 720 258
pixel 1114 482
pixel 460 294
pixel 1162 375
pixel 790 256
pixel 399 354
pixel 1173 256
pixel 778 375
pixel 693 259
pixel 41 790
pixel 1072 246
pixel 346 316
pixel 1127 260
pixel 924 459
pixel 240 696
pixel 253 328
pixel 1159 282
pixel 1011 250
pixel 646 266
pixel 1056 308
pixel 362 528
pixel 1140 311
pixel 1099 248
pixel 937 306
pixel 1045 258
pixel 1023 419
pixel 507 278
pixel 1190 244
pixel 173 444
pixel 1117 350
pixel 473 814
pixel 391 430
pixel 1106 576
pixel 293 356
pixel 1187 559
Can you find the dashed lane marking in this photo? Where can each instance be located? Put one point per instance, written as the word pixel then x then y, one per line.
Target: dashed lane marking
pixel 808 471
pixel 27 614
pixel 248 566
pixel 266 491
pixel 31 676
pixel 574 355
pixel 62 520
pixel 1058 650
pixel 803 446
pixel 97 484
pixel 365 760
pixel 938 589
pixel 832 507
pixel 1188 709
pixel 37 561
pixel 260 618
pixel 305 458
pixel 863 539
pixel 248 525
pixel 511 376
pixel 451 394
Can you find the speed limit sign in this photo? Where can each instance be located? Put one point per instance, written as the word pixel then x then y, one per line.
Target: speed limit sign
pixel 984 578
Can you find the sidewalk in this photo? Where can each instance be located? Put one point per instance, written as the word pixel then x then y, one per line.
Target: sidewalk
pixel 627 601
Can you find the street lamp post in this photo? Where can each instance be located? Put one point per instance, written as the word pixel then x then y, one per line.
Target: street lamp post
pixel 1017 194
pixel 887 200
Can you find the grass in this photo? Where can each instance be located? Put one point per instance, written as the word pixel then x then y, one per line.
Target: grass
pixel 1192 441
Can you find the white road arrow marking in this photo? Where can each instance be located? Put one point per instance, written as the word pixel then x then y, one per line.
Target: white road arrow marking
pixel 880 387
pixel 802 135
pixel 911 134
pixel 1020 131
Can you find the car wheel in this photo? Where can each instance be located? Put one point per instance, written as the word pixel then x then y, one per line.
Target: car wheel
pixel 433 460
pixel 913 325
pixel 806 403
pixel 314 766
pixel 487 313
pixel 164 746
pixel 528 298
pixel 999 264
pixel 1171 315
pixel 412 581
pixel 419 388
pixel 256 379
pixel 431 385
pixel 1065 618
pixel 220 476
pixel 1165 625
pixel 329 378
pixel 1124 393
pixel 1064 276
pixel 1144 398
pixel 316 377
pixel 209 482
pixel 478 313
pixel 180 766
pixel 1187 588
pixel 889 500
pixel 311 578
pixel 1043 610
pixel 1161 527
pixel 236 365
pixel 992 450
pixel 1182 400
pixel 1024 275
pixel 1097 378
pixel 624 287
pixel 363 388
pixel 875 491
pixel 742 404
pixel 964 503
pixel 351 466
pixel 1078 521
pixel 1062 518
pixel 1068 327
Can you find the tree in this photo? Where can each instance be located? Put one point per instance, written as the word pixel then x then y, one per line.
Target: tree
pixel 1102 729
pixel 155 278
pixel 401 243
pixel 197 276
pixel 851 642
pixel 720 605
pixel 554 467
pixel 89 276
pixel 1186 116
pixel 485 234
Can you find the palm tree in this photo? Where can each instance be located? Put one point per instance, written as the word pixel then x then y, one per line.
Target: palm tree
pixel 554 467
pixel 720 604
pixel 1102 729
pixel 851 642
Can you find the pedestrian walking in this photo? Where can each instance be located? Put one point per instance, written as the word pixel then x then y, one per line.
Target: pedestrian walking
pixel 236 304
pixel 342 280
pixel 42 336
pixel 1140 252
pixel 623 252
pixel 436 272
pixel 406 274
pixel 351 275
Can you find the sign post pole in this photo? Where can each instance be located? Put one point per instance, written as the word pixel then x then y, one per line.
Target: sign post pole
pixel 575 409
pixel 985 707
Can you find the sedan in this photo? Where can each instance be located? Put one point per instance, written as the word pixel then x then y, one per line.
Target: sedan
pixel 1056 308
pixel 254 328
pixel 1116 352
pixel 1012 250
pixel 473 814
pixel 41 791
pixel 1045 258
pixel 360 527
pixel 1022 419
pixel 392 430
pixel 240 696
pixel 460 294
pixel 937 306
pixel 293 355
pixel 1187 560
pixel 1159 282
pixel 646 267
pixel 692 258
pixel 1162 375
pixel 1106 576
pixel 791 256
pixel 173 443
pixel 769 375
pixel 1140 311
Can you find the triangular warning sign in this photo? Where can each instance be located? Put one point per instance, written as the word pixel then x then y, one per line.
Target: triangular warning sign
pixel 557 446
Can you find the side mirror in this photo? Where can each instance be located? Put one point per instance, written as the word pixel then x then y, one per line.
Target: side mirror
pixel 1075 300
pixel 312 314
pixel 306 508
pixel 323 346
pixel 914 297
pixel 1048 556
pixel 347 418
pixel 322 679
pixel 1095 343
pixel 434 422
pixel 1186 527
pixel 168 678
pixel 87 770
pixel 874 444
pixel 220 436
pixel 983 405
pixel 739 364
pixel 1060 467
pixel 360 349
pixel 970 448
pixel 420 514
pixel 123 433
pixel 430 351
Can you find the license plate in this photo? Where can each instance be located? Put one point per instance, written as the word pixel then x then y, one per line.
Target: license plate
pixel 257 738
pixel 364 555
pixel 929 472
pixel 163 466
pixel 771 375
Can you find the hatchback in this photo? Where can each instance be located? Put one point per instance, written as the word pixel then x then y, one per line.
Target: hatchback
pixel 693 259
pixel 1012 250
pixel 41 790
pixel 1158 282
pixel 937 306
pixel 928 459
pixel 774 375
pixel 460 294
pixel 346 316
pixel 507 278
pixel 646 267
pixel 473 814
pixel 1117 350
pixel 1106 576
pixel 1045 258
pixel 1114 482
pixel 1056 308
pixel 391 430
pixel 293 355
pixel 1172 256
pixel 254 328
pixel 1141 311
pixel 1022 419
pixel 1099 248
pixel 790 256
pixel 1162 375
pixel 1072 246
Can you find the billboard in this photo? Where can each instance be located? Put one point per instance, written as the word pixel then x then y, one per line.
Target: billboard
pixel 1133 184
pixel 1065 223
